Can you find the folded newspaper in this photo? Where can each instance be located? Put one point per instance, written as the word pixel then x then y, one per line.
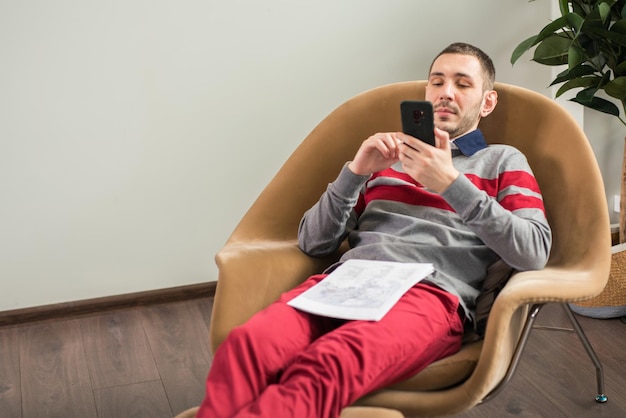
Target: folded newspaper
pixel 361 289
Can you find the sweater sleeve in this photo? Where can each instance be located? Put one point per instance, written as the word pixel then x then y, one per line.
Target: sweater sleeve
pixel 521 236
pixel 327 223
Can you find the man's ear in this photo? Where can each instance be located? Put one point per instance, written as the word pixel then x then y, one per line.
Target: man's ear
pixel 489 103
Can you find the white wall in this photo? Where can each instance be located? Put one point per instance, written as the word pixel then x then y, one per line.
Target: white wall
pixel 134 134
pixel 606 135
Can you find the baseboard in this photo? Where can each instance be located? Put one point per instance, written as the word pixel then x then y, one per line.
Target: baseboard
pixel 98 305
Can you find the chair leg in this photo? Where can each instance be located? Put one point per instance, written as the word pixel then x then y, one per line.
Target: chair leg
pixel 528 326
pixel 532 316
pixel 600 397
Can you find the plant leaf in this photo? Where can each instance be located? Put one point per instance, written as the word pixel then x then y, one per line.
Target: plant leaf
pixel 586 95
pixel 616 88
pixel 575 56
pixel 614 37
pixel 552 51
pixel 605 10
pixel 575 21
pixel 595 21
pixel 620 69
pixel 546 32
pixel 619 27
pixel 522 48
pixel 564 7
pixel 599 104
pixel 585 82
pixel 552 27
pixel 580 7
pixel 606 77
pixel 579 71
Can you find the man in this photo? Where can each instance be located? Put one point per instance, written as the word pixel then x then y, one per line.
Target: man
pixel 460 205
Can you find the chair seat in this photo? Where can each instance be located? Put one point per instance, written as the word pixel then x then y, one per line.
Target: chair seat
pixel 189 413
pixel 370 412
pixel 447 372
pixel 351 412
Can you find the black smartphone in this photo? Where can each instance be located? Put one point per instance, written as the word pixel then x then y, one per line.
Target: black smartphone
pixel 417 120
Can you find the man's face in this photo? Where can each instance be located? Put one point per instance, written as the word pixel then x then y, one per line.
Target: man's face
pixel 455 87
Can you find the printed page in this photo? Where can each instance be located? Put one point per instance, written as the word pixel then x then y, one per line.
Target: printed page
pixel 361 289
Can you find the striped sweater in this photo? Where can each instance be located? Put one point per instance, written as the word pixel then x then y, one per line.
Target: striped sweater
pixel 493 210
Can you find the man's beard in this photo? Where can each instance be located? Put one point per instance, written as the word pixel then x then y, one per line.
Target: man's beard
pixel 464 125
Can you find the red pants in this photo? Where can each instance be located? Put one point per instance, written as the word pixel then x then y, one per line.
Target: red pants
pixel 284 363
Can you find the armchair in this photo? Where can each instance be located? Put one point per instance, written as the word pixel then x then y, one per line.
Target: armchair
pixel 261 258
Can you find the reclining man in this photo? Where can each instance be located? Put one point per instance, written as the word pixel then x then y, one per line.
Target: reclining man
pixel 461 205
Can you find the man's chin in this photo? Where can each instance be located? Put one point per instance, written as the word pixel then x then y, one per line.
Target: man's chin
pixel 445 125
pixel 451 129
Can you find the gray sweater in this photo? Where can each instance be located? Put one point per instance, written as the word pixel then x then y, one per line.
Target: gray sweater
pixel 492 210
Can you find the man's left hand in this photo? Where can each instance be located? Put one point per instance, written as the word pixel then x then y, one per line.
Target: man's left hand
pixel 430 166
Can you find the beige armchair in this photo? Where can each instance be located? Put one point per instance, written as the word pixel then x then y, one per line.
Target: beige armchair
pixel 261 259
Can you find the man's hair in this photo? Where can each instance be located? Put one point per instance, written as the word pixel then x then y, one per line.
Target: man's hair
pixel 489 70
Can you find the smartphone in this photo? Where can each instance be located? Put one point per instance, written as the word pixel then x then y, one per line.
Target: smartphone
pixel 417 120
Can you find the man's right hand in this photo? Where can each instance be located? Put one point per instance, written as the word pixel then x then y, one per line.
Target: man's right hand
pixel 378 152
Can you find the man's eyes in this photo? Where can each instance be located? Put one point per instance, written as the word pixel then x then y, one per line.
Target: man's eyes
pixel 461 84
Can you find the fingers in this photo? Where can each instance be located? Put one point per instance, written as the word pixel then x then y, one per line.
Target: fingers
pixel 430 166
pixel 386 144
pixel 442 139
pixel 410 145
pixel 376 153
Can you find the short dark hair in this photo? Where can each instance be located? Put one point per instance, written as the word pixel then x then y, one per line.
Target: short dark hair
pixel 489 70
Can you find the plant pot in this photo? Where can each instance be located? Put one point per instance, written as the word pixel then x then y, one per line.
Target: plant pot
pixel 611 303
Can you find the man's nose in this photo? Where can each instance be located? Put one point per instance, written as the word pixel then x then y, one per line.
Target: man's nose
pixel 446 92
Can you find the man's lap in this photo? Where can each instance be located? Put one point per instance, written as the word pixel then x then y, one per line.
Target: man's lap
pixel 422 327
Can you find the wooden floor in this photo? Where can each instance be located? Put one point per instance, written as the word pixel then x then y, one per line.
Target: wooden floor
pixel 141 362
pixel 151 361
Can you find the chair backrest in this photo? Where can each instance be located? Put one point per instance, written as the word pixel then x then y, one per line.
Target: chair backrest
pixel 557 149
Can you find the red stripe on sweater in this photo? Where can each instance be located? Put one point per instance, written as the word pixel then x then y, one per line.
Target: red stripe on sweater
pixel 417 195
pixel 514 201
pixel 360 205
pixel 412 195
pixel 521 179
pixel 519 201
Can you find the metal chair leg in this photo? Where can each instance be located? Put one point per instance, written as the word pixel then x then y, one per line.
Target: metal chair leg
pixel 600 397
pixel 528 326
pixel 532 316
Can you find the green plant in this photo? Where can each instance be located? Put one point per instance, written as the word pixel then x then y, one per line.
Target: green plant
pixel 590 37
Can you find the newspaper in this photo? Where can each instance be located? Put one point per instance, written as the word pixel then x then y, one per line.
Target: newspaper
pixel 361 289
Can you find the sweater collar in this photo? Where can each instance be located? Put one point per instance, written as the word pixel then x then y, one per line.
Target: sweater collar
pixel 470 143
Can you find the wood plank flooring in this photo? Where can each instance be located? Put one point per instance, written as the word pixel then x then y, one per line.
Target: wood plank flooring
pixel 151 361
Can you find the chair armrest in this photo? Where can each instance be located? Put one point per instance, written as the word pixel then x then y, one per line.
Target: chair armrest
pixel 552 284
pixel 254 274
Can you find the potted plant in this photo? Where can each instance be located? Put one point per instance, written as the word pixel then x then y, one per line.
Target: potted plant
pixel 590 38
